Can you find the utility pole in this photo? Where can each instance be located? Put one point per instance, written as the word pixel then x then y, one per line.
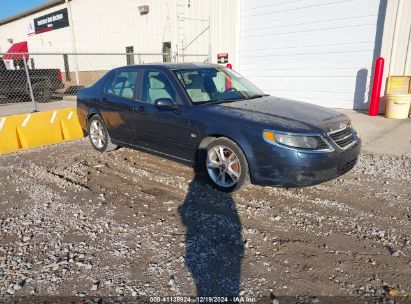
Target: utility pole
pixel 73 41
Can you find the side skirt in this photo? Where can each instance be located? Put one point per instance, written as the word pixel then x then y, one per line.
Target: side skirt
pixel 158 153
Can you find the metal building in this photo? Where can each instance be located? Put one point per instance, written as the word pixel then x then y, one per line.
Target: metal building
pixel 152 26
pixel 319 51
pixel 92 36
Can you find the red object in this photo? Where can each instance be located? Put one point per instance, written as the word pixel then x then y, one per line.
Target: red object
pixel 59 76
pixel 227 82
pixel 17 50
pixel 376 87
pixel 227 78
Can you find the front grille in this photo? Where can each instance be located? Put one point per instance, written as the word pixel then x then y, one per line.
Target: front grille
pixel 321 144
pixel 348 166
pixel 343 138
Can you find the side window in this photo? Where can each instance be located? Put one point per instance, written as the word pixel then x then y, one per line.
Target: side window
pixel 122 84
pixel 155 86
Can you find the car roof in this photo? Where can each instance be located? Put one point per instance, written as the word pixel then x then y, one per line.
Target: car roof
pixel 176 65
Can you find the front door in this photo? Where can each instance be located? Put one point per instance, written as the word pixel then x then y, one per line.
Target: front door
pixel 164 131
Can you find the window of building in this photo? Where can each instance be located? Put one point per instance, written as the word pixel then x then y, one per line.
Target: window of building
pixel 130 55
pixel 167 51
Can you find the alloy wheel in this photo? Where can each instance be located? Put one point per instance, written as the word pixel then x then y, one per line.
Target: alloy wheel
pixel 97 134
pixel 223 166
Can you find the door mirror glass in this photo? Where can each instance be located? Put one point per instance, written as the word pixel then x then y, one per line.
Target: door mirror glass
pixel 165 104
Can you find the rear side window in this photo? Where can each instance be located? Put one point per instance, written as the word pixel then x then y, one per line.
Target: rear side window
pixel 122 84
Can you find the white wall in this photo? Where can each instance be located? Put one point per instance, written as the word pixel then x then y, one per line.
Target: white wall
pixel 103 25
pixel 225 29
pixel 319 51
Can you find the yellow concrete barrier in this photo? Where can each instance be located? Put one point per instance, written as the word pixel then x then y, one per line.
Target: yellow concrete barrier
pixel 32 130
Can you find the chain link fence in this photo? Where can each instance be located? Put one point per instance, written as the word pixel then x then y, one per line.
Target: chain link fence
pixel 37 81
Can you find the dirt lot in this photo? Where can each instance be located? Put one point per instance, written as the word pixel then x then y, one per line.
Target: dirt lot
pixel 74 222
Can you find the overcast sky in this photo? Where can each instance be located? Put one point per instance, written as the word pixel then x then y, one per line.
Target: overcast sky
pixel 11 7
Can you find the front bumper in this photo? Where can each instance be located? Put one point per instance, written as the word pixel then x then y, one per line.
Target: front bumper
pixel 278 166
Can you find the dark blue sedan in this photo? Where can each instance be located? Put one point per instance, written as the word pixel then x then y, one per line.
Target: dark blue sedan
pixel 216 120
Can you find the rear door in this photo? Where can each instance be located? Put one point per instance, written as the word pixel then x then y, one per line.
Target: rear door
pixel 118 105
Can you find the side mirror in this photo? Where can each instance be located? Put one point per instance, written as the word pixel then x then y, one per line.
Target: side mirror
pixel 165 104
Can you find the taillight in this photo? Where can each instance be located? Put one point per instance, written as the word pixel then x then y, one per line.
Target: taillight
pixel 59 76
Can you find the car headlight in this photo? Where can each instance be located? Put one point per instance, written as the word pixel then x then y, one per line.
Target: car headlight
pixel 296 141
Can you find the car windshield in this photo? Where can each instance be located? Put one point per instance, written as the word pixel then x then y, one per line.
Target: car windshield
pixel 215 85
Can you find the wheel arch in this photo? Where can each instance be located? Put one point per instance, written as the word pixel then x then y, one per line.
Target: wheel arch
pixel 92 112
pixel 210 137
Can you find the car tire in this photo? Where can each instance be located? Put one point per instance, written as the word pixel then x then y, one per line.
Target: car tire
pixel 98 135
pixel 228 173
pixel 42 92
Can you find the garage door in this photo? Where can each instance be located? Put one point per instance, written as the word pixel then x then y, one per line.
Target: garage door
pixel 319 51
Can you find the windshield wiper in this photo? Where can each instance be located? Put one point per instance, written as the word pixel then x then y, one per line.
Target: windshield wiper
pixel 257 96
pixel 232 100
pixel 222 101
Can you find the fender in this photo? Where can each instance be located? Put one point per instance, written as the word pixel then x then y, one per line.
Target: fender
pixel 240 135
pixel 91 112
pixel 84 115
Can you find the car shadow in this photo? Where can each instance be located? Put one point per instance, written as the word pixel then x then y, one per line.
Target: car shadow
pixel 213 241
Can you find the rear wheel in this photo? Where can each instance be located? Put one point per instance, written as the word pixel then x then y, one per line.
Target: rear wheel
pixel 225 165
pixel 98 135
pixel 42 92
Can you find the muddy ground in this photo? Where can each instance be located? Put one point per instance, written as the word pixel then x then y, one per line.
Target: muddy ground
pixel 75 222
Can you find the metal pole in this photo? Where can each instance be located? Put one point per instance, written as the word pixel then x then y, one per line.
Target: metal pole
pixel 376 87
pixel 209 33
pixel 73 41
pixel 29 84
pixel 182 49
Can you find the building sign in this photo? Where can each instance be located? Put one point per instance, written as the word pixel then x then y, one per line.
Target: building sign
pixel 49 22
pixel 222 58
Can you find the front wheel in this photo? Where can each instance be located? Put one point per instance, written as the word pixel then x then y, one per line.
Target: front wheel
pixel 99 137
pixel 226 165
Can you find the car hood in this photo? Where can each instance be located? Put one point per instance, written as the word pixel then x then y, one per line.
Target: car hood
pixel 281 114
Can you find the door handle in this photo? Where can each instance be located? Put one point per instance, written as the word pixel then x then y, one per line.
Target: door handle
pixel 139 109
pixel 103 100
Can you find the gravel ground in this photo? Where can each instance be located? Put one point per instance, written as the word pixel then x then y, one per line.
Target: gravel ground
pixel 74 222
